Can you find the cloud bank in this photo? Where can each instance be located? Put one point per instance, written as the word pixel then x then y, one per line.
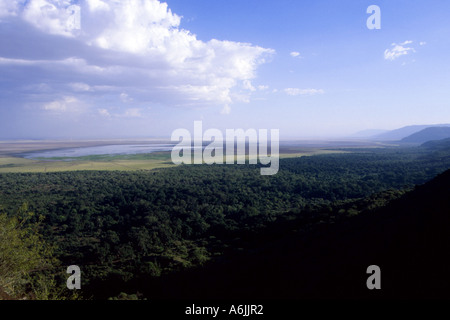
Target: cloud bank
pixel 112 53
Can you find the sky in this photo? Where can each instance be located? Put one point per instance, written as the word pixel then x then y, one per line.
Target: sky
pixel 74 69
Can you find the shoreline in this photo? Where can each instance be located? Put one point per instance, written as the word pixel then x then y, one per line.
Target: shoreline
pixel 18 148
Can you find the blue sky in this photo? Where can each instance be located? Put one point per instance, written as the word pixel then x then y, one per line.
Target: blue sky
pixel 143 68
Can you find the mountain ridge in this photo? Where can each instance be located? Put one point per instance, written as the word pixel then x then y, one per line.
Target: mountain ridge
pixel 428 134
pixel 403 132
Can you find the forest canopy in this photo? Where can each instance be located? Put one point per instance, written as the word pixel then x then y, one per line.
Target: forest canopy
pixel 123 226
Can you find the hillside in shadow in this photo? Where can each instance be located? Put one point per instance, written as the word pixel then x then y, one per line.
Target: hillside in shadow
pixel 408 239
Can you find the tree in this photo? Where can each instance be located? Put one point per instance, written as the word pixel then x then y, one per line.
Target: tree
pixel 24 258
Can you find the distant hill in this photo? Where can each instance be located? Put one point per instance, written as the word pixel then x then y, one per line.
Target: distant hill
pixel 408 239
pixel 399 134
pixel 428 134
pixel 368 133
pixel 437 144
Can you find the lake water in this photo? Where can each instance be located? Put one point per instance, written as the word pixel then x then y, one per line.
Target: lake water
pixel 99 150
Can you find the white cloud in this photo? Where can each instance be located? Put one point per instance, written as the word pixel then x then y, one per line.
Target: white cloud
pixel 104 113
pixel 297 91
pixel 295 54
pixel 398 50
pixel 422 43
pixel 12 61
pixel 247 84
pixel 137 44
pixel 72 64
pixel 200 95
pixel 125 98
pixel 66 104
pixel 127 113
pixel 80 87
pixel 97 5
pixel 263 87
pixel 140 26
pixel 8 8
pixel 132 113
pixel 54 17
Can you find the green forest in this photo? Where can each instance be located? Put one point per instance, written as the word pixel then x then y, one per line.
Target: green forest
pixel 132 233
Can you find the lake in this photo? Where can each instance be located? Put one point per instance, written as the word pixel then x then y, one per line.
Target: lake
pixel 98 150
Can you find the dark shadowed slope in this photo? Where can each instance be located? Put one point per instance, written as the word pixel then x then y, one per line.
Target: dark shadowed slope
pixel 428 134
pixel 409 239
pixel 437 145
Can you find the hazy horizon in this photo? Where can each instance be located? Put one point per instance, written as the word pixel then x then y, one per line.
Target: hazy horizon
pixel 365 134
pixel 141 69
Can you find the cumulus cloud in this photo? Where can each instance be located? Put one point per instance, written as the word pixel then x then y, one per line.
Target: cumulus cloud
pixel 64 105
pixel 8 8
pixel 398 50
pixel 104 113
pixel 295 54
pixel 132 113
pixel 140 26
pixel 247 84
pixel 125 98
pixel 54 17
pixel 80 87
pixel 98 5
pixel 127 113
pixel 297 91
pixel 132 47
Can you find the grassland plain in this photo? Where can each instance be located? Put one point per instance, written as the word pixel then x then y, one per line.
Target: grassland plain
pixel 123 163
pixel 12 162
